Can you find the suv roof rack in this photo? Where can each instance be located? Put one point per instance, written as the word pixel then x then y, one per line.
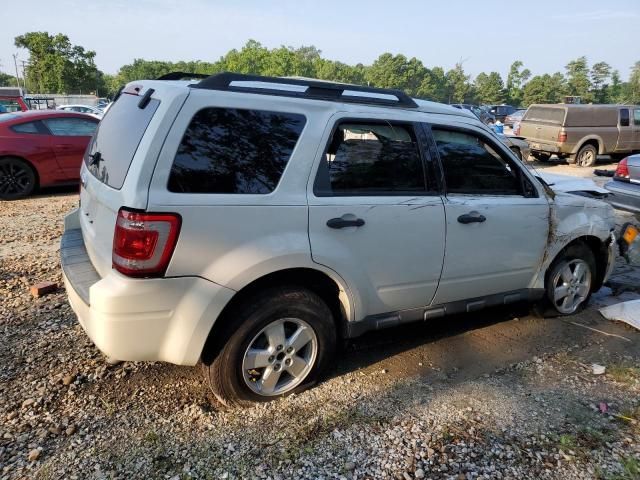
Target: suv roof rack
pixel 315 89
pixel 181 76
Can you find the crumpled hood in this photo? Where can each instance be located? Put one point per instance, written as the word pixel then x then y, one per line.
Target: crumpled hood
pixel 567 183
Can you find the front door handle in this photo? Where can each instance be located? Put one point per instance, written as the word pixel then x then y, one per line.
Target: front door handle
pixel 471 217
pixel 342 223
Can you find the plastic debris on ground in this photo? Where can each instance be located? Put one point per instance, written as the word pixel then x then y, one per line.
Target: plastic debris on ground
pixel 627 312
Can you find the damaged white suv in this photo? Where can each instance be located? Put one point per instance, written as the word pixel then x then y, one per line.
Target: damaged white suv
pixel 252 222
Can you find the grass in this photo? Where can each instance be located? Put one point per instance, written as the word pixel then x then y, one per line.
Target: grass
pixel 624 374
pixel 630 470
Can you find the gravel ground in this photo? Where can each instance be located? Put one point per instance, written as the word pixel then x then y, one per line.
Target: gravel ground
pixel 405 411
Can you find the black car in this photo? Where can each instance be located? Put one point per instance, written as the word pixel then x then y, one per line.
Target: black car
pixel 483 115
pixel 500 111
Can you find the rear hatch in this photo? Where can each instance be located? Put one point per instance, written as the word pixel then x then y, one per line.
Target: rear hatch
pixel 542 124
pixel 120 159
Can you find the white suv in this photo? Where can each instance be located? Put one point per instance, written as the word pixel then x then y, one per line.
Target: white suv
pixel 252 222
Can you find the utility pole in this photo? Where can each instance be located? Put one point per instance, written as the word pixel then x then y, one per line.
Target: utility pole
pixel 24 74
pixel 15 62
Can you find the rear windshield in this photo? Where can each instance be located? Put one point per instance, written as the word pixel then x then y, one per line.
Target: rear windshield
pixel 545 114
pixel 117 138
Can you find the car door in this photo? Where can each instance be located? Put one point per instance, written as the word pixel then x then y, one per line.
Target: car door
pixel 69 139
pixel 497 218
pixel 625 130
pixel 375 216
pixel 636 130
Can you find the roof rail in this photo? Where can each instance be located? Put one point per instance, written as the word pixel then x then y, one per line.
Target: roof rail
pixel 315 89
pixel 181 76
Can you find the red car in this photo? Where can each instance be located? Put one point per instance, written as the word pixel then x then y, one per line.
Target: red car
pixel 41 148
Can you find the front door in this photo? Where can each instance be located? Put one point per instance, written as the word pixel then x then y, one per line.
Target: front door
pixel 497 220
pixel 375 216
pixel 70 136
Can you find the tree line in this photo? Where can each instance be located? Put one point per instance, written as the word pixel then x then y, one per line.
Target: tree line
pixel 57 66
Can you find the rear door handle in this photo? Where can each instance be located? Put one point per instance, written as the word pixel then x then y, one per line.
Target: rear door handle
pixel 342 223
pixel 471 217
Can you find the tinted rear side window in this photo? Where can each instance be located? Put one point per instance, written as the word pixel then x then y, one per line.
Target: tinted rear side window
pixel 227 150
pixel 545 115
pixel 117 138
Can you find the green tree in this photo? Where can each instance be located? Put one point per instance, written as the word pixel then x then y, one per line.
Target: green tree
pixel 544 89
pixel 396 71
pixel 434 85
pixel 458 86
pixel 600 72
pixel 631 91
pixel 516 79
pixel 489 89
pixel 578 83
pixel 7 80
pixel 57 66
pixel 614 92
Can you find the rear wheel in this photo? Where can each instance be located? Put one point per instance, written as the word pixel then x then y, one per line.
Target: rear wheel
pixel 586 156
pixel 569 281
pixel 17 179
pixel 284 341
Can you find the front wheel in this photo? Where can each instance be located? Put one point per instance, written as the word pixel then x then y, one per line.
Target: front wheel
pixel 17 179
pixel 569 280
pixel 284 339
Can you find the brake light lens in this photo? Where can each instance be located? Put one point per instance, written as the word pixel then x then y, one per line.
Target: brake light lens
pixel 622 171
pixel 143 242
pixel 562 137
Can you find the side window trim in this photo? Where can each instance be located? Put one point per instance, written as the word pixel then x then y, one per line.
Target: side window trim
pixel 495 144
pixel 425 158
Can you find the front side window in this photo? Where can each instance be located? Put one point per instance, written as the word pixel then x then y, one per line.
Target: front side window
pixel 371 159
pixel 227 150
pixel 624 117
pixel 474 166
pixel 71 127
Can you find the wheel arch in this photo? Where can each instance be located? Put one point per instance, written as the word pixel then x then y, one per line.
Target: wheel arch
pixel 594 140
pixel 319 282
pixel 600 250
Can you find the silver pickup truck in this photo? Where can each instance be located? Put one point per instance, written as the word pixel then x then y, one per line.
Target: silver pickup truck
pixel 580 133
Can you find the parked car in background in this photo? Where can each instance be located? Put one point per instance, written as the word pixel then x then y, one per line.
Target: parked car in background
pixel 625 186
pixel 98 112
pixel 41 148
pixel 515 117
pixel 483 115
pixel 517 145
pixel 500 112
pixel 580 133
pixel 251 227
pixel 12 100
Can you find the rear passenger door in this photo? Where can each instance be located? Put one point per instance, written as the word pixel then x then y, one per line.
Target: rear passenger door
pixel 375 215
pixel 69 140
pixel 497 219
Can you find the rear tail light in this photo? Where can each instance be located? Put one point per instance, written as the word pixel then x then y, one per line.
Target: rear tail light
pixel 622 171
pixel 144 242
pixel 562 137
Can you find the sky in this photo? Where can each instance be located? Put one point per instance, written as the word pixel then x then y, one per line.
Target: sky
pixel 486 35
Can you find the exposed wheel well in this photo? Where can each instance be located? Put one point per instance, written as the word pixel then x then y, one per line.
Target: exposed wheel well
pixel 600 251
pixel 33 169
pixel 314 280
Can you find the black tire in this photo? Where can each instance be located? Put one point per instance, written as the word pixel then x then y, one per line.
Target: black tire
pixel 225 374
pixel 17 178
pixel 587 156
pixel 548 306
pixel 541 157
pixel 516 151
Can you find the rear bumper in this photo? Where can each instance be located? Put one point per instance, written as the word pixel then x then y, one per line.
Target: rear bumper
pixel 543 147
pixel 624 196
pixel 163 319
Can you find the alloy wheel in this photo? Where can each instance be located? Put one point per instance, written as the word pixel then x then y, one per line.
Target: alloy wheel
pixel 280 357
pixel 15 179
pixel 571 285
